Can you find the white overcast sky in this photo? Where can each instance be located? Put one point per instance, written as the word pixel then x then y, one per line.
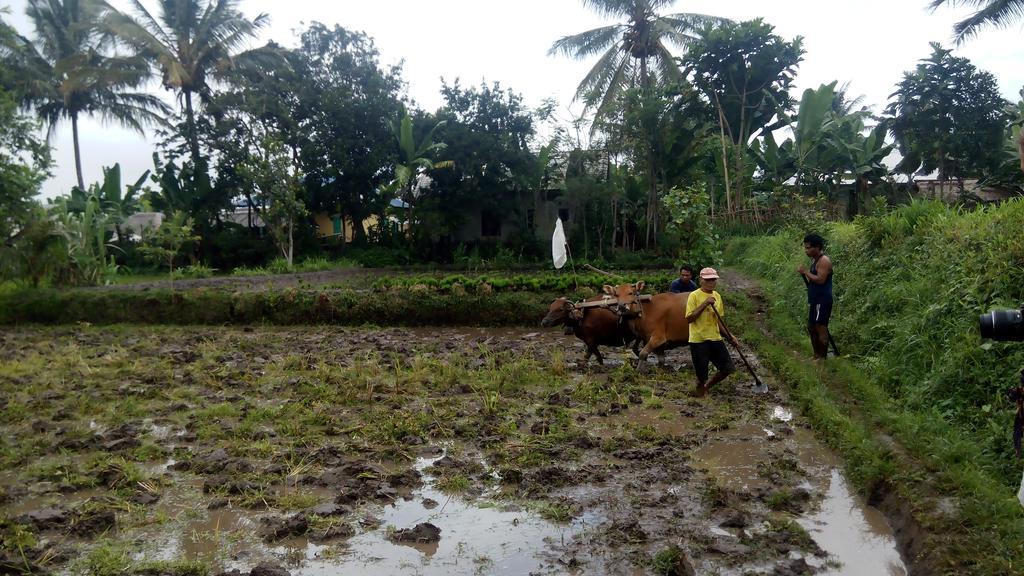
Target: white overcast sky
pixel 868 43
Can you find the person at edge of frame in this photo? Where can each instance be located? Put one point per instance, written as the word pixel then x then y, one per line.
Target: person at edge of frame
pixel 819 293
pixel 685 281
pixel 707 335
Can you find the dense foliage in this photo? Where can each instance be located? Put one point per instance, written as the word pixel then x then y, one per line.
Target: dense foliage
pixel 316 151
pixel 949 117
pixel 910 285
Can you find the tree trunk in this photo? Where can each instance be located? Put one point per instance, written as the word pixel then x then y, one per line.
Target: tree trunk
pixel 652 200
pixel 190 127
pixel 291 243
pixel 725 157
pixel 586 235
pixel 78 152
pixel 741 144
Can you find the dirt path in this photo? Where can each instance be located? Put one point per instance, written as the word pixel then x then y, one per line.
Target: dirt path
pixel 438 451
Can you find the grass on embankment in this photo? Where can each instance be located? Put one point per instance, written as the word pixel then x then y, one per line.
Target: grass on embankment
pixel 909 288
pixel 396 300
pixel 285 307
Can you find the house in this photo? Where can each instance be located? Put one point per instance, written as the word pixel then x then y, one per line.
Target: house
pixel 136 224
pixel 949 190
pixel 244 214
pixel 335 226
pixel 539 214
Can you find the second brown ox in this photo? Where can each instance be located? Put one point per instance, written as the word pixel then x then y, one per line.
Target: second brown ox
pixel 595 326
pixel 660 323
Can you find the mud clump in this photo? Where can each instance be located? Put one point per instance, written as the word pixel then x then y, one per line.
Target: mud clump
pixel 331 532
pixel 120 444
pixel 797 567
pixel 273 529
pixel 734 519
pixel 144 498
pixel 673 561
pixel 219 461
pixel 628 531
pixel 220 484
pixel 423 533
pixel 260 570
pixel 49 518
pixel 93 522
pixel 547 477
pixel 329 509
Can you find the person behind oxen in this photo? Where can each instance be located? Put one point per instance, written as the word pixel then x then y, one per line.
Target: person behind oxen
pixel 819 293
pixel 707 334
pixel 685 281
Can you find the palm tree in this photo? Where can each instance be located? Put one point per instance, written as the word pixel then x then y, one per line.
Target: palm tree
pixel 998 13
pixel 189 40
pixel 634 52
pixel 64 75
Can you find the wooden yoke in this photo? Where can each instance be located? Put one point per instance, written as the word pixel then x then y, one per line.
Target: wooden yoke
pixel 608 301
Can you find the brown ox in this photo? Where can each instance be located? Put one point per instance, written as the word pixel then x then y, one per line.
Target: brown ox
pixel 660 323
pixel 595 326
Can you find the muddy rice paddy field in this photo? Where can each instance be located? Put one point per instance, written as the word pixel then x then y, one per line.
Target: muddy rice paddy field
pixel 327 450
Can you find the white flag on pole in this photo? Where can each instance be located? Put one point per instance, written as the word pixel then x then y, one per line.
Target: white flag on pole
pixel 558 246
pixel 1020 493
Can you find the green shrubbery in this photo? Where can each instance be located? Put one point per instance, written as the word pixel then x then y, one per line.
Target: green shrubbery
pixel 564 282
pixel 910 285
pixel 290 306
pixel 280 266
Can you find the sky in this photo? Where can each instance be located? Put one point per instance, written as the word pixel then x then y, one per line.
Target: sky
pixel 868 43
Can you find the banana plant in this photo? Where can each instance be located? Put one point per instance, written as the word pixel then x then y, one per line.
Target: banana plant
pixel 810 132
pixel 777 162
pixel 115 201
pixel 414 158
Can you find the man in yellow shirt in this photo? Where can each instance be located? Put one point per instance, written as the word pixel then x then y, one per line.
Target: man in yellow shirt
pixel 707 335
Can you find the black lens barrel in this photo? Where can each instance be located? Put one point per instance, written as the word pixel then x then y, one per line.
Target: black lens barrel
pixel 1002 325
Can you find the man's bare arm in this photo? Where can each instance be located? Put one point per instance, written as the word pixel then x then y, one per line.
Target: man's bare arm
pixel 824 268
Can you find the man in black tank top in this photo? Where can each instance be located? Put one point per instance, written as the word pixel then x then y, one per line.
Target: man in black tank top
pixel 819 293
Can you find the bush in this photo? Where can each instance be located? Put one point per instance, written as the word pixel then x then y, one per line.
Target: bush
pixel 233 246
pixel 379 256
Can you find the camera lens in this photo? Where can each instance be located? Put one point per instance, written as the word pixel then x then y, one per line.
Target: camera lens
pixel 1002 325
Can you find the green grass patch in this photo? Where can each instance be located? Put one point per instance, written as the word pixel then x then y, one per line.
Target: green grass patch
pixel 909 287
pixel 563 282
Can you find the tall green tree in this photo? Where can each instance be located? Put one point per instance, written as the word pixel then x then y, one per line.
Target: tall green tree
pixel 667 131
pixel 634 53
pixel 487 131
pixel 65 74
pixel 24 164
pixel 948 117
pixel 189 41
pixel 276 188
pixel 345 102
pixel 746 71
pixel 998 13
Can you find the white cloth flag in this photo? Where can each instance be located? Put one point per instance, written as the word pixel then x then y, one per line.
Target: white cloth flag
pixel 558 247
pixel 1020 493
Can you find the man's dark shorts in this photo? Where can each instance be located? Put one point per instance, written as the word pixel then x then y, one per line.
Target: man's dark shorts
pixel 819 313
pixel 713 351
